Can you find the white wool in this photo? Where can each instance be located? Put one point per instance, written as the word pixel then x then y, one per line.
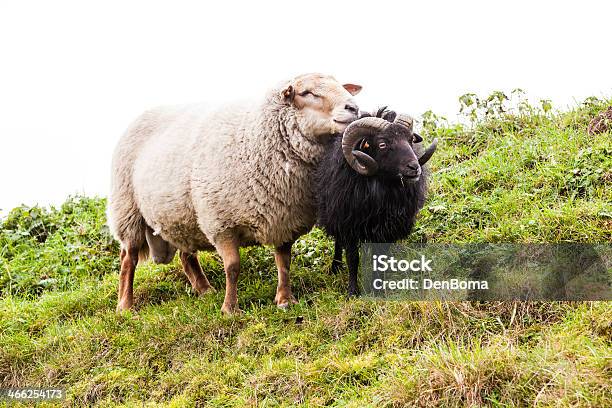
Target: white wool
pixel 193 175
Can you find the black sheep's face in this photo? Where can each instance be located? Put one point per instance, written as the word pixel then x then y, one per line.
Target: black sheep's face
pixel 382 146
pixel 392 150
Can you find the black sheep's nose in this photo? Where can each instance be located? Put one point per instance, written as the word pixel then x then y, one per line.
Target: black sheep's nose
pixel 351 107
pixel 412 169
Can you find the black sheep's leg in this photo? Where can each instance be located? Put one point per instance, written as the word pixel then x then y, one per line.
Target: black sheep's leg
pixel 337 261
pixel 352 259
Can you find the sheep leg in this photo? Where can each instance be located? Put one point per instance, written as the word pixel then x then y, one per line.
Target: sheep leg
pixel 231 263
pixel 193 271
pixel 337 261
pixel 282 258
pixel 129 260
pixel 352 259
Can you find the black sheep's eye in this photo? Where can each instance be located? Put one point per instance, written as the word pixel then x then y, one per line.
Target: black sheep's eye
pixel 382 145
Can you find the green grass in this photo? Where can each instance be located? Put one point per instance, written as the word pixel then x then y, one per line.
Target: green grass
pixel 530 176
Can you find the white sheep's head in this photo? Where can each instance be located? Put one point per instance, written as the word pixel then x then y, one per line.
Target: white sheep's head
pixel 323 106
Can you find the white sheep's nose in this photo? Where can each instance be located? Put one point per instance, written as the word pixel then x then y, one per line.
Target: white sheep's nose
pixel 351 107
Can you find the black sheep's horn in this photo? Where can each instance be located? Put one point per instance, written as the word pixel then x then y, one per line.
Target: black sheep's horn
pixel 361 162
pixel 429 152
pixel 365 160
pixel 404 120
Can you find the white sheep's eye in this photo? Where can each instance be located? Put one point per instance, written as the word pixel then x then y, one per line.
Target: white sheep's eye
pixel 382 145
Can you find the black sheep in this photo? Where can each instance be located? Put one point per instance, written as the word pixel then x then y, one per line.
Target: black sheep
pixel 371 185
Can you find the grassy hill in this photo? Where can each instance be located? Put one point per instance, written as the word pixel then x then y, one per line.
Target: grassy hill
pixel 526 175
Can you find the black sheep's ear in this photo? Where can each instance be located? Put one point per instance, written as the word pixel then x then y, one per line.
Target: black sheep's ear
pixel 389 116
pixel 381 111
pixel 416 138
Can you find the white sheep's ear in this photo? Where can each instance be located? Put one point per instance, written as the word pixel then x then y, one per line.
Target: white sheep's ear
pixel 288 94
pixel 352 88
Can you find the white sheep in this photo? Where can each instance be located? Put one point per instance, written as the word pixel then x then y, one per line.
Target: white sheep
pixel 188 178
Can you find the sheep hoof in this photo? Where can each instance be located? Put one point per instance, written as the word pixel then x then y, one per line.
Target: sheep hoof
pixel 201 291
pixel 229 310
pixel 335 268
pixel 124 306
pixel 285 305
pixel 283 302
pixel 353 292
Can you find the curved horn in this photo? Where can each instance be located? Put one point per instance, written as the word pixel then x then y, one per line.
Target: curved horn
pixel 404 120
pixel 364 163
pixel 358 160
pixel 429 152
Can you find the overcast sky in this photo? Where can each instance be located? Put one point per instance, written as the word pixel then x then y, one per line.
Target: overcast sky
pixel 73 74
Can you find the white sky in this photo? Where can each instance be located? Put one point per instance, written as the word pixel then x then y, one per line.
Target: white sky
pixel 73 74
